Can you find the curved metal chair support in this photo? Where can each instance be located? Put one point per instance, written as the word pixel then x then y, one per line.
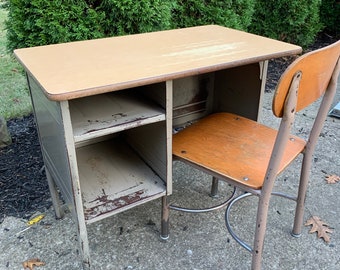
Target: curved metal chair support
pixel 240 197
pixel 204 210
pixel 227 223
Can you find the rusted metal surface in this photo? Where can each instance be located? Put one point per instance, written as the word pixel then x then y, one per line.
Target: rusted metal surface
pixel 114 178
pixel 104 204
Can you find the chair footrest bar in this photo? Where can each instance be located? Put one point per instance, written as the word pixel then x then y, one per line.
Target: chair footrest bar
pixel 237 239
pixel 204 210
pixel 284 195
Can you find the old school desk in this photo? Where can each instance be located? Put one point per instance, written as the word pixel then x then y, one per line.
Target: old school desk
pixel 105 109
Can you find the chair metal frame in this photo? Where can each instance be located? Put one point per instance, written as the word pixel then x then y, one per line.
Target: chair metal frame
pixel 290 97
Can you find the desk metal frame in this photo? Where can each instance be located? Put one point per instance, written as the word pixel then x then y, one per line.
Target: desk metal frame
pixel 95 139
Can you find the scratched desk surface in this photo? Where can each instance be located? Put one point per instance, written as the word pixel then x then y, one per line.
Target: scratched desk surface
pixel 77 69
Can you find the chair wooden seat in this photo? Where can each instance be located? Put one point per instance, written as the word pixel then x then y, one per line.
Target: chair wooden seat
pixel 233 146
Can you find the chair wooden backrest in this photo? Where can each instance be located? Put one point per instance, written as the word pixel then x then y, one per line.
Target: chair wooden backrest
pixel 317 68
pixel 303 82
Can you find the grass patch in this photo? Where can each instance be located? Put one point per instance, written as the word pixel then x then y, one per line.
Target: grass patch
pixel 14 95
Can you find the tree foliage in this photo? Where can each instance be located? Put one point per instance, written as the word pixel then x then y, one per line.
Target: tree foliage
pixel 40 22
pixel 235 14
pixel 295 21
pixel 330 16
pixel 129 16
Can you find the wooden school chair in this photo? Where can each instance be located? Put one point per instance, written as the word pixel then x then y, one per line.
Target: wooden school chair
pixel 249 155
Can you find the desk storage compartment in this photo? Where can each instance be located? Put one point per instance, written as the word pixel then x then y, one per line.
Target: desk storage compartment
pixel 120 140
pixel 113 178
pixel 104 114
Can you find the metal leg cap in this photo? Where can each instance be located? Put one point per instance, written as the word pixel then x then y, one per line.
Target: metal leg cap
pixel 164 237
pixel 296 235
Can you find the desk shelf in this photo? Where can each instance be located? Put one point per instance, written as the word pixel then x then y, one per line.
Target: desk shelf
pixel 114 178
pixel 100 115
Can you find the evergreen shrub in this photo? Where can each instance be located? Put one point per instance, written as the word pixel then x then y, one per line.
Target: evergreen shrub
pixel 235 14
pixel 294 21
pixel 40 22
pixel 124 17
pixel 330 17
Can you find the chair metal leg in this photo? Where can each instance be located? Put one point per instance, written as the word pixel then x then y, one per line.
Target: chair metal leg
pixel 300 202
pixel 214 188
pixel 260 231
pixel 165 219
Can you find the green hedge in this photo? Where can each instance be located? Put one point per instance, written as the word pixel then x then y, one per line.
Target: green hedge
pixel 40 22
pixel 130 16
pixel 235 14
pixel 295 21
pixel 330 17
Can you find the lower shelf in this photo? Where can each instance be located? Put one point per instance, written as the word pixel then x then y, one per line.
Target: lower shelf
pixel 114 178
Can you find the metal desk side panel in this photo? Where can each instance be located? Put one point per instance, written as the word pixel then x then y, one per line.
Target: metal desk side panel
pixel 52 140
pixel 240 90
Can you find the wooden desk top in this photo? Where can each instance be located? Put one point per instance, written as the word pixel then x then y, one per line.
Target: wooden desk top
pixel 77 69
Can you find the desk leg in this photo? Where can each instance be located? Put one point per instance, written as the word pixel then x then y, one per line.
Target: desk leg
pixel 214 188
pixel 165 218
pixel 77 202
pixel 85 250
pixel 54 195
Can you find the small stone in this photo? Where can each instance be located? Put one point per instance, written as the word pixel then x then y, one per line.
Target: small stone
pixel 5 137
pixel 189 252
